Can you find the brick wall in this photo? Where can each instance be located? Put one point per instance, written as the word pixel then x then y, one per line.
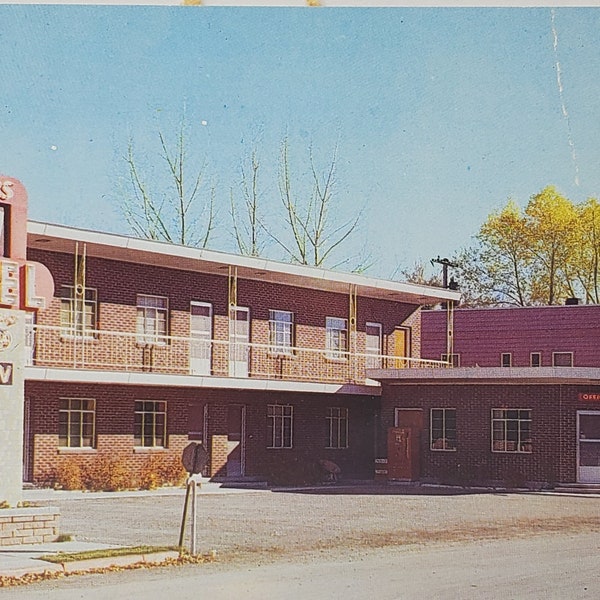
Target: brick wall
pixel 115 425
pixel 28 526
pixel 482 335
pixel 553 430
pixel 118 283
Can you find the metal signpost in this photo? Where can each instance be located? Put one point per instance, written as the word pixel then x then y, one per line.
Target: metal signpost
pixel 194 459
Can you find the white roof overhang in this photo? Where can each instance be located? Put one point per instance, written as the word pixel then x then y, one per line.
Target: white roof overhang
pixel 59 238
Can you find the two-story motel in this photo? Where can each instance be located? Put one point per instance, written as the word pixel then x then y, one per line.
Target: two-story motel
pixel 147 345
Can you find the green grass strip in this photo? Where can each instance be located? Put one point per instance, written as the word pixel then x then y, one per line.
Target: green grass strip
pixel 65 557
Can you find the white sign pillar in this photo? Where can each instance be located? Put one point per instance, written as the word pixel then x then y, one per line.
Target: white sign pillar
pixel 24 286
pixel 12 390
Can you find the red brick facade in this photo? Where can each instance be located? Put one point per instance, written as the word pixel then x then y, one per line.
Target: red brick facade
pixel 203 413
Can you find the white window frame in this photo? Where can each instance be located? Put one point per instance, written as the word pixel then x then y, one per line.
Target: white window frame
pixel 555 354
pixel 149 318
pixel 455 359
pixel 281 332
pixel 78 323
pixel 443 442
pixel 373 345
pixel 539 356
pixel 520 430
pixel 280 426
pixel 337 428
pixel 80 423
pixel 336 338
pixel 149 412
pixel 503 356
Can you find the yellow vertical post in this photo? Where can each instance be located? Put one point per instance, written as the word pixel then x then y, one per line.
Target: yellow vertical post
pixel 232 309
pixel 450 331
pixel 352 333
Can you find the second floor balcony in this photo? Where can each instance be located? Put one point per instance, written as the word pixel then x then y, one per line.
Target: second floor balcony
pixel 61 348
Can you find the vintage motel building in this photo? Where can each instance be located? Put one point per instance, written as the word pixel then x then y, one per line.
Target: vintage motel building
pixel 520 406
pixel 147 345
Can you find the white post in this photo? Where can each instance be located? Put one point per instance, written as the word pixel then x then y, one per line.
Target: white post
pixel 193 536
pixel 12 403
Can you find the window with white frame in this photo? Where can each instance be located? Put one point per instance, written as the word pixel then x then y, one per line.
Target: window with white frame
pixel 562 359
pixel 373 345
pixel 506 359
pixel 76 422
pixel 280 425
pixel 281 331
pixel 336 338
pixel 78 311
pixel 150 424
pixel 337 428
pixel 442 428
pixel 152 319
pixel 535 359
pixel 453 359
pixel 511 430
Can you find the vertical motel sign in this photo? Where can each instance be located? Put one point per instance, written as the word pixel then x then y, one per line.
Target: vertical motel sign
pixel 25 286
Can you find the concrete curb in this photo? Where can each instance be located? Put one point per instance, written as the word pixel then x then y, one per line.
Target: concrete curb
pixel 34 565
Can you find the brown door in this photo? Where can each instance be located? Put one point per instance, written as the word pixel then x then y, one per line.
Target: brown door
pixel 404 445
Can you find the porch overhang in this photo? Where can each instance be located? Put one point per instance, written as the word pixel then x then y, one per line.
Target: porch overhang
pixel 488 375
pixel 194 381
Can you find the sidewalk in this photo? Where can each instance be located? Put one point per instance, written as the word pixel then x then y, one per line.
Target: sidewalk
pixel 17 561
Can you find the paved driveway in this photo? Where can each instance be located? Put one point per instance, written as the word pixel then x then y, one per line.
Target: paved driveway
pixel 273 523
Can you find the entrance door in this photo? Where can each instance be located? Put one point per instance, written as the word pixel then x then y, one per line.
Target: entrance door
pixel 236 426
pixel 588 455
pixel 404 445
pixel 401 349
pixel 239 338
pixel 200 338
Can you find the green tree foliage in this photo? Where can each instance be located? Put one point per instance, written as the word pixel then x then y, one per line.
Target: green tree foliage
pixel 541 255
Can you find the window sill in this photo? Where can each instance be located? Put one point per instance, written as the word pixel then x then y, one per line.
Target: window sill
pixel 76 450
pixel 279 447
pixel 149 449
pixel 444 449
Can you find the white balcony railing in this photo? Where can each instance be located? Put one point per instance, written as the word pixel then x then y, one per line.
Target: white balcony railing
pixel 57 347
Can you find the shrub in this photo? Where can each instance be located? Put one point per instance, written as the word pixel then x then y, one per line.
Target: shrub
pixel 68 475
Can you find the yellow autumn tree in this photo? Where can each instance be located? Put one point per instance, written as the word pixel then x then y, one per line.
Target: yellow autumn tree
pixel 551 234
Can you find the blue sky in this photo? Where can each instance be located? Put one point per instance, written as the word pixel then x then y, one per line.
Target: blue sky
pixel 440 114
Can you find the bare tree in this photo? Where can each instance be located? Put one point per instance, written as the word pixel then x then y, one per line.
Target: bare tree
pixel 248 228
pixel 174 212
pixel 314 234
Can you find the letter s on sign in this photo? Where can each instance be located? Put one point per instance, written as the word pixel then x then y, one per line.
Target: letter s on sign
pixel 6 191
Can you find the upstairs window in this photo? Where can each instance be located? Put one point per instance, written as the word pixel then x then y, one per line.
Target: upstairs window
pixel 281 331
pixel 453 359
pixel 152 320
pixel 535 359
pixel 336 338
pixel 78 311
pixel 562 359
pixel 506 359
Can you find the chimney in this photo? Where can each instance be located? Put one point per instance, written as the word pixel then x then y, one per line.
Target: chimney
pixel 572 301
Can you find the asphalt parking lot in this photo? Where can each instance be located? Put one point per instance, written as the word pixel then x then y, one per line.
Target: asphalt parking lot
pixel 239 524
